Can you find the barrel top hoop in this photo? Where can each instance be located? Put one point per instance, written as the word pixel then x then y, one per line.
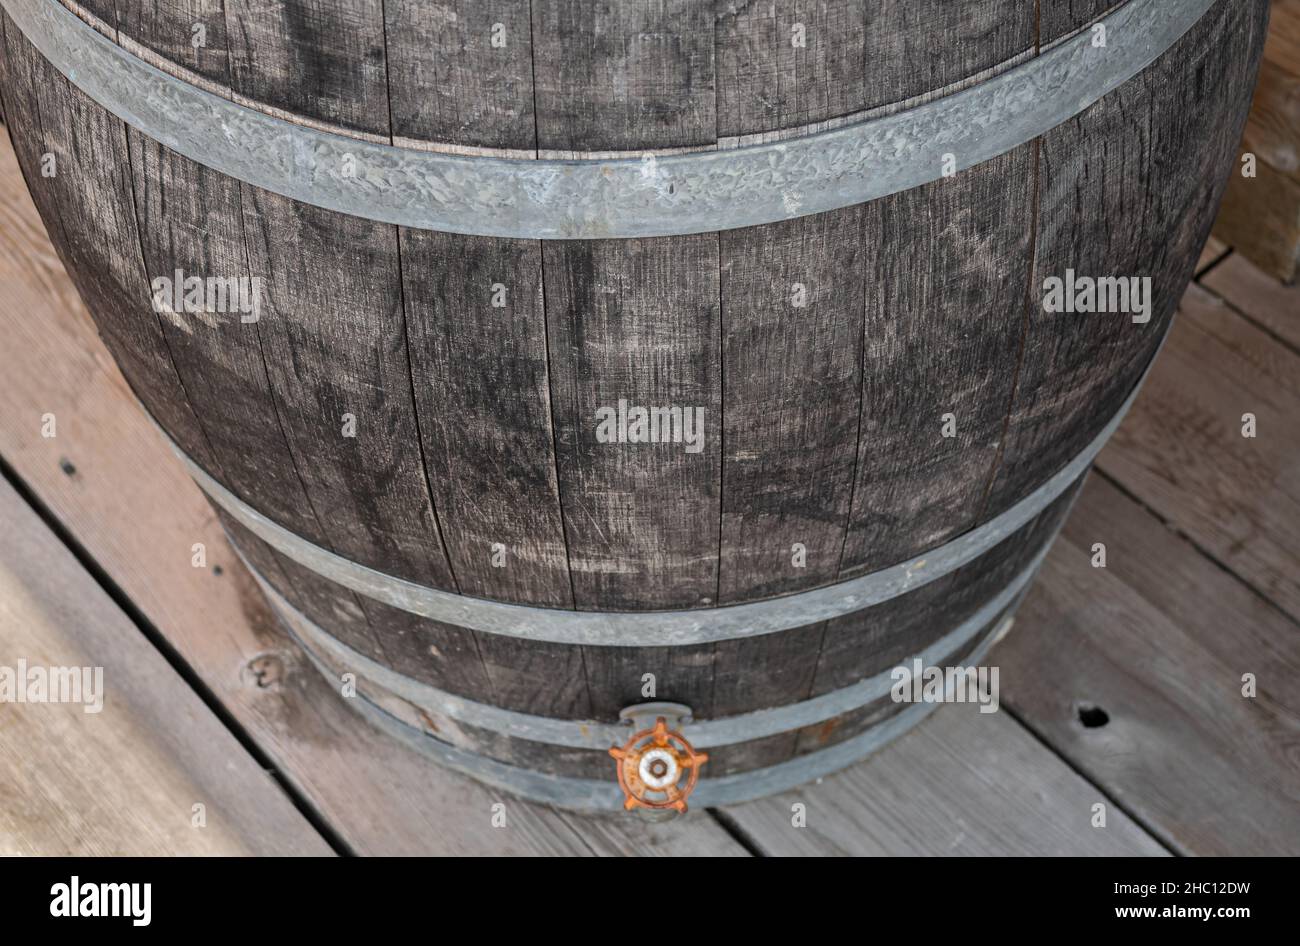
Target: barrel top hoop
pixel 590 734
pixel 659 628
pixel 664 195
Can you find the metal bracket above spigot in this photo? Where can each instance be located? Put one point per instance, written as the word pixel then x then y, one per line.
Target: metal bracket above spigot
pixel 657 767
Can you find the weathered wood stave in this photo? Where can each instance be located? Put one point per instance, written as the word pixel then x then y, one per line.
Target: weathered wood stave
pixel 353 299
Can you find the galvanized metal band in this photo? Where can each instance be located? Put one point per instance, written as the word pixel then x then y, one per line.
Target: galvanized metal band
pixel 694 192
pixel 592 794
pixel 656 628
pixel 591 734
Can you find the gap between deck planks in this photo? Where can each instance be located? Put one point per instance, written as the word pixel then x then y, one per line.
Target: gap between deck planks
pixel 132 508
pixel 123 780
pixel 1258 297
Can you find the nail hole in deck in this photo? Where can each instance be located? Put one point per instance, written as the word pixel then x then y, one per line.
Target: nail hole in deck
pixel 1092 716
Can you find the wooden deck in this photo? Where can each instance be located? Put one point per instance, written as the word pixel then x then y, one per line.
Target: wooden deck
pixel 209 703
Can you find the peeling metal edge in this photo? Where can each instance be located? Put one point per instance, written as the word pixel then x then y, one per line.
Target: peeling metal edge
pixel 582 794
pixel 658 628
pixel 590 734
pixel 663 195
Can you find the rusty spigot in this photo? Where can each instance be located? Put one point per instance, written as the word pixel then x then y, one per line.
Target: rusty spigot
pixel 657 768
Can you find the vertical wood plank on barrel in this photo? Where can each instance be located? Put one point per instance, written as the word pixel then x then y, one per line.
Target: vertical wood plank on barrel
pixel 789 443
pixel 1076 369
pixel 191 223
pixel 461 72
pixel 482 392
pixel 1128 188
pixel 636 320
pixel 92 186
pixel 321 61
pixel 942 261
pixel 1061 17
pixel 623 676
pixel 537 677
pixel 792 318
pixel 483 398
pixel 752 673
pixel 24 74
pixel 918 46
pixel 633 75
pixel 333 330
pixel 790 64
pixel 327 327
pixel 167 27
pixel 103 10
pixel 442 655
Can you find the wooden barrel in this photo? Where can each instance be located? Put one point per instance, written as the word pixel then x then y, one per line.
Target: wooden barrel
pixel 561 368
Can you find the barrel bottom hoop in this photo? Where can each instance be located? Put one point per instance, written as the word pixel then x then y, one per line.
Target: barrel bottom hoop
pixel 587 795
pixel 596 735
pixel 662 628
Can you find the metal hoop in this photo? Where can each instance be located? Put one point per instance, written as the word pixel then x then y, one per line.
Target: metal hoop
pixel 591 734
pixel 591 794
pixel 696 192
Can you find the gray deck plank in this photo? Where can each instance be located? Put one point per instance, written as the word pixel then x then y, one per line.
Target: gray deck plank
pixel 961 783
pixel 1257 295
pixel 1159 640
pixel 125 779
pixel 1182 452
